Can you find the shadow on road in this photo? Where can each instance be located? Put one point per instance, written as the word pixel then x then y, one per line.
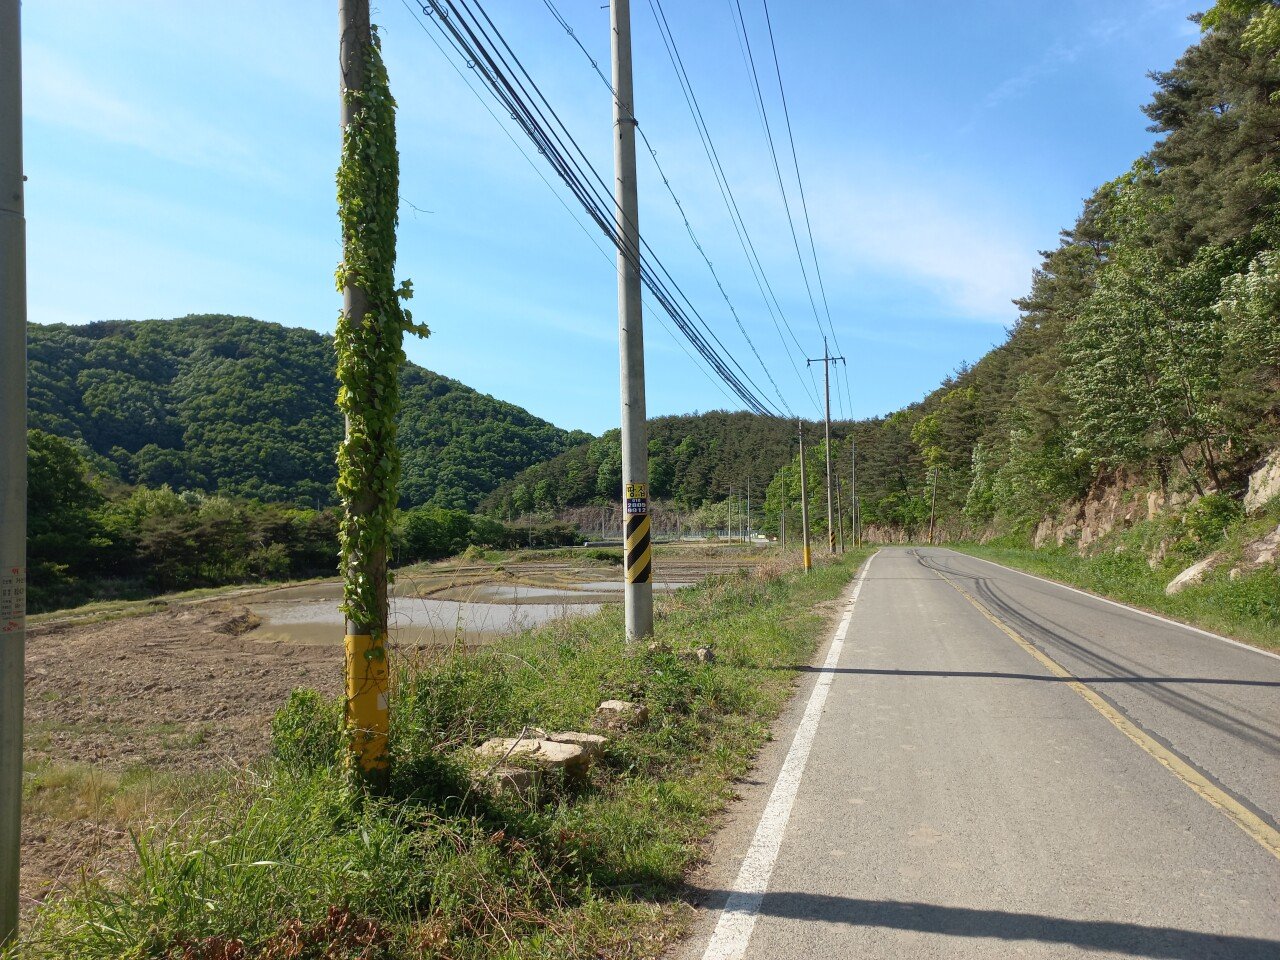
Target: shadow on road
pixel 1126 939
pixel 1232 718
pixel 992 675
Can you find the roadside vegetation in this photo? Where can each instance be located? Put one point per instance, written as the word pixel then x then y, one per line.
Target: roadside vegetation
pixel 1135 566
pixel 287 860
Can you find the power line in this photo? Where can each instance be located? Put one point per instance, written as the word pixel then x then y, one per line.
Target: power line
pixel 749 56
pixel 661 292
pixel 772 305
pixel 666 182
pixel 679 342
pixel 804 205
pixel 475 38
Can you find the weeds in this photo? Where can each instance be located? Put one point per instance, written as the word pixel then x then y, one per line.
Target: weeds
pixel 292 863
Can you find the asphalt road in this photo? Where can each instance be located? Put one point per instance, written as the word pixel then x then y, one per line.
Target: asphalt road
pixel 984 764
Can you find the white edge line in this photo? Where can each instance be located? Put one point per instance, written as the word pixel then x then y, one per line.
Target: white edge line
pixel 1122 606
pixel 733 931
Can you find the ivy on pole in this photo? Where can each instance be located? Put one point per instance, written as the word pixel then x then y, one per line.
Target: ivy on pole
pixel 370 347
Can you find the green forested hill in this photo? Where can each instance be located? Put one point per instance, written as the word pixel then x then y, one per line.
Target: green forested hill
pixel 1149 343
pixel 247 408
pixel 693 458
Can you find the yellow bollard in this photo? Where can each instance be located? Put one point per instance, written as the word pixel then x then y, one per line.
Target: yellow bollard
pixel 367 714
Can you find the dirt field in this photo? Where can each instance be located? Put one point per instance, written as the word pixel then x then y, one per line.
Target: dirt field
pixel 114 708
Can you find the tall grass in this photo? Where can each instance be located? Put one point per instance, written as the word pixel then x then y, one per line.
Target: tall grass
pixel 289 861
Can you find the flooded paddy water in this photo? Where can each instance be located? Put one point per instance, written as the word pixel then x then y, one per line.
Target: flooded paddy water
pixel 310 614
pixel 470 604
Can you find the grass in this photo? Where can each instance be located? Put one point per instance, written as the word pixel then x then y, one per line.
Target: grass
pixel 288 861
pixel 1120 568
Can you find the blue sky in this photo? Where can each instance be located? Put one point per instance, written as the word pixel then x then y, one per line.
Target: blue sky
pixel 180 160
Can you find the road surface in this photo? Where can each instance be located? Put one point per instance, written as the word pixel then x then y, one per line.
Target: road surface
pixel 985 764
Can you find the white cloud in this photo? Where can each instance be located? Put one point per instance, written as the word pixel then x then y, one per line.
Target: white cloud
pixel 972 264
pixel 63 95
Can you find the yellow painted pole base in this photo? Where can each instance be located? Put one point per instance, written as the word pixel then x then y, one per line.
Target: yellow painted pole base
pixel 367 716
pixel 808 559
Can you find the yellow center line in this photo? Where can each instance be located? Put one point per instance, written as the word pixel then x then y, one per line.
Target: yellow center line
pixel 1248 821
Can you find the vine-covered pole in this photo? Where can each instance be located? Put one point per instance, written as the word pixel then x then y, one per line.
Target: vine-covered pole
pixel 13 462
pixel 370 353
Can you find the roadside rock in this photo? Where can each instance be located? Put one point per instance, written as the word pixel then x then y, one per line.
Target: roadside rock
pixel 516 781
pixel 1193 575
pixel 1259 553
pixel 543 754
pixel 620 715
pixel 592 744
pixel 705 655
pixel 1264 483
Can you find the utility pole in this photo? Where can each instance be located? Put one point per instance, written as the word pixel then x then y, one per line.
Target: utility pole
pixel 853 483
pixel 747 536
pixel 933 504
pixel 826 360
pixel 638 548
pixel 839 512
pixel 804 508
pixel 13 462
pixel 367 717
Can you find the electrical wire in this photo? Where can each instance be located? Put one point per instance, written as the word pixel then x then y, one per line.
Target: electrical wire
pixel 477 41
pixel 666 182
pixel 804 205
pixel 772 305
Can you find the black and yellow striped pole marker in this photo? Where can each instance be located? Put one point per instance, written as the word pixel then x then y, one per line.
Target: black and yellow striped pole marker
pixel 637 553
pixel 639 548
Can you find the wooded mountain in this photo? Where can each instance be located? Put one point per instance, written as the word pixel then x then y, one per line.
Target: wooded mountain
pixel 1149 343
pixel 246 408
pixel 693 458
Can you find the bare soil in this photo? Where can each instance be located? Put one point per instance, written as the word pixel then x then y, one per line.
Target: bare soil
pixel 179 690
pixel 115 706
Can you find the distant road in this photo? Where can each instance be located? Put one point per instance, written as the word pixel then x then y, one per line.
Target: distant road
pixel 986 764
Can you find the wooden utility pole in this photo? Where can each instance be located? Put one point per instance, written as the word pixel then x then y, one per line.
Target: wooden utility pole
pixel 638 548
pixel 933 504
pixel 826 360
pixel 13 462
pixel 804 508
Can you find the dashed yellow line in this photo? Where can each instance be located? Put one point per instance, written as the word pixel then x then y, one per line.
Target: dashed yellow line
pixel 1248 821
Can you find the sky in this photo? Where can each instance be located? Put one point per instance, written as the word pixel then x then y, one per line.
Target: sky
pixel 180 159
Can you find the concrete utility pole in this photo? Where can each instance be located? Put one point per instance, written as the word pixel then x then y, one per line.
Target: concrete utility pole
pixel 826 360
pixel 728 516
pixel 638 549
pixel 804 508
pixel 839 512
pixel 747 534
pixel 366 668
pixel 933 504
pixel 853 493
pixel 13 461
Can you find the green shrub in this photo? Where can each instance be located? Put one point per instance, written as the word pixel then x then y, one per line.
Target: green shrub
pixel 1209 518
pixel 306 733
